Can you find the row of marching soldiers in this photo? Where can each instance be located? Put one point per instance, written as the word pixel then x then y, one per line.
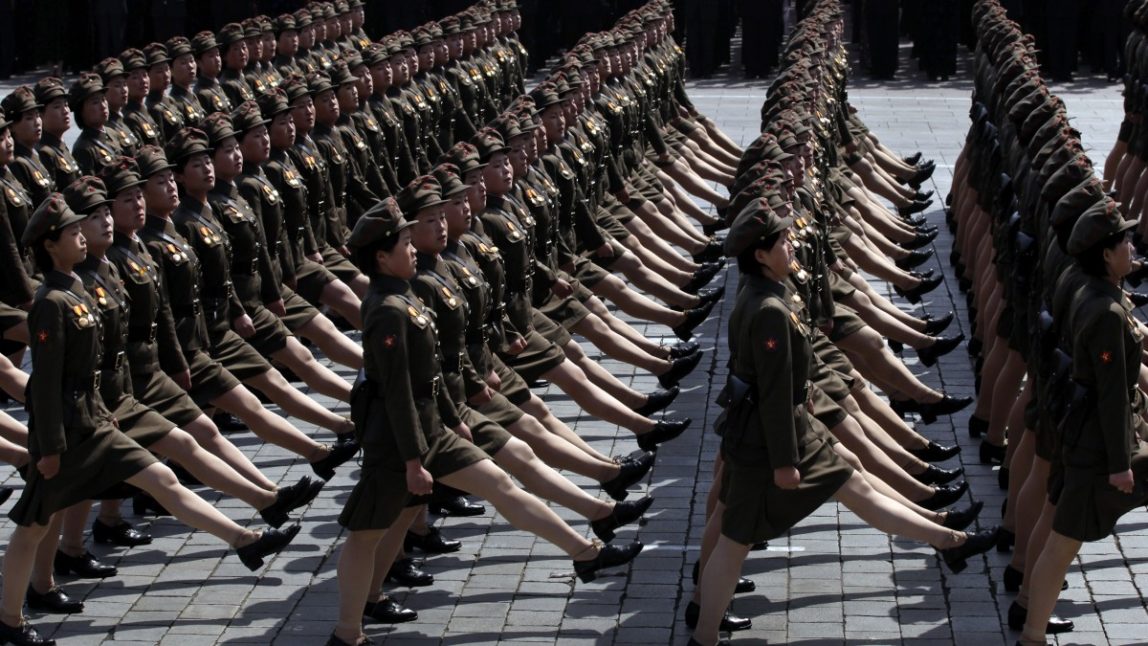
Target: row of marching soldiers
pixel 810 211
pixel 172 260
pixel 1059 353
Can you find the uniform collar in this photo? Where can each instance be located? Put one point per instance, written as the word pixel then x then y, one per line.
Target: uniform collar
pixel 389 284
pixel 61 280
pixel 767 285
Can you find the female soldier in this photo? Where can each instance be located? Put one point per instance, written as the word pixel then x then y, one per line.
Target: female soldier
pixel 778 462
pixel 27 128
pixel 1104 462
pixel 406 443
pixel 208 382
pixel 76 448
pixel 18 286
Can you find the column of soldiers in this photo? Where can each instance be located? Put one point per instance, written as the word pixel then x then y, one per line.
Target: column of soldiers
pixel 231 187
pixel 814 191
pixel 1059 354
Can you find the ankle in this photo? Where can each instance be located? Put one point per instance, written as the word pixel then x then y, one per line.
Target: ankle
pixel 319 452
pixel 590 552
pixel 245 538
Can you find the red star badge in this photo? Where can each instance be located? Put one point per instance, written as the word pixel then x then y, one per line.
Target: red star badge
pixel 43 336
pixel 1106 357
pixel 771 344
pixel 389 342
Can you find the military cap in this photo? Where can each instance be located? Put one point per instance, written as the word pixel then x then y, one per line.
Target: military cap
pixel 318 83
pixel 133 59
pixel 449 178
pixel 123 173
pixel 151 160
pixel 295 87
pixel 86 194
pixel 19 101
pixel 185 143
pixel 546 95
pixel 379 222
pixel 248 117
pixel 266 24
pixel 450 25
pixel 326 9
pixel 203 42
pixel 507 127
pixel 489 143
pixel 353 59
pixel 341 7
pixel 88 85
pixel 252 28
pixel 466 21
pixel 1075 202
pixel 229 34
pixel 340 75
pixel 754 223
pixel 109 68
pixel 178 46
pixel 218 127
pixel 273 103
pixel 302 18
pixel 156 53
pixel 4 122
pixel 465 156
pixel 788 142
pixel 285 22
pixel 52 215
pixel 423 36
pixel 1099 222
pixel 354 4
pixel 423 192
pixel 375 54
pixel 49 89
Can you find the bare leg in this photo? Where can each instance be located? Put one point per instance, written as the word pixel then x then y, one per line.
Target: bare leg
pixel 339 297
pixel 544 482
pixel 208 436
pixel 558 453
pixel 268 426
pixel 635 304
pixel 296 404
pixel 1047 574
pixel 619 347
pixel 334 344
pixel 538 410
pixel 313 373
pixel 603 378
pixel 594 400
pixel 210 470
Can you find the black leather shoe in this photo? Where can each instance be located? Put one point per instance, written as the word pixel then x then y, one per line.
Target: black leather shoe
pixel 923 275
pixel 1002 478
pixel 935 452
pixel 934 475
pixel 664 431
pixel 5 494
pixel 388 611
pixel 660 398
pixel 710 294
pixel 712 251
pixel 623 513
pixel 743 586
pixel 405 572
pixel 919 240
pixel 934 326
pixel 956 557
pixel 912 159
pixel 948 405
pixel 271 541
pixel 341 451
pixel 699 280
pixel 991 453
pixel 679 368
pixel 1018 614
pixel 914 259
pixel 729 623
pixel 23 635
pixel 145 505
pixel 123 534
pixel 1013 578
pixel 959 519
pixel 431 543
pixel 944 496
pixel 923 195
pixel 53 601
pixel 714 227
pixel 914 294
pixel 694 318
pixel 916 206
pixel 924 172
pixel 290 498
pixel 1007 539
pixel 977 426
pixel 456 505
pixel 86 566
pixel 684 349
pixel 942 345
pixel 629 473
pixel 608 556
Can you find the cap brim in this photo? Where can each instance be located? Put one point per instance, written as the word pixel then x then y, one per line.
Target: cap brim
pixel 147 175
pixel 1129 224
pixel 464 188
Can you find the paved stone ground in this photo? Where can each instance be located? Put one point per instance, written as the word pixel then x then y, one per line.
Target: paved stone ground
pixel 832 580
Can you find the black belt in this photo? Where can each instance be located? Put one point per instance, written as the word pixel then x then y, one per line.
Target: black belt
pixel 87 383
pixel 142 334
pixel 452 363
pixel 186 311
pixel 114 362
pixel 243 269
pixel 427 389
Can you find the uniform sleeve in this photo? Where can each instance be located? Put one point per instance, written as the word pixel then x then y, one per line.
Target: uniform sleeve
pixel 773 364
pixel 16 289
pixel 1104 344
pixel 170 350
pixel 46 383
pixel 389 345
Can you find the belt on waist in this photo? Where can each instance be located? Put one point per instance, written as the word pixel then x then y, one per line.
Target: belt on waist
pixel 89 383
pixel 113 362
pixel 145 334
pixel 184 311
pixel 452 363
pixel 426 389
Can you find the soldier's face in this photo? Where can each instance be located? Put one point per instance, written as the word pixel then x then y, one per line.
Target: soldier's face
pixel 345 26
pixel 498 174
pixel 427 56
pixel 97 230
pixel 28 128
pixel 210 62
pixel 256 145
pixel 455 43
pixel 57 118
pixel 282 132
pixel 320 29
pixel 399 261
pixel 95 111
pixel 70 249
pixel 228 159
pixel 267 46
pixel 6 146
pixel 348 97
pixel 518 155
pixel 400 73
pixel 777 259
pixel 183 70
pixel 441 52
pixel 128 206
pixel 307 36
pixel 198 175
pixel 327 108
pixel 366 86
pixel 254 47
pixel 429 235
pixel 159 76
pixel 138 84
pixel 554 122
pixel 117 93
pixel 289 42
pixel 304 114
pixel 382 76
pixel 412 62
pixel 358 17
pixel 477 195
pixel 457 216
pixel 334 29
pixel 1119 258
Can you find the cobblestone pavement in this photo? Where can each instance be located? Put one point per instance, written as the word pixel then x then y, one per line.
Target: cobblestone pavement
pixel 832 580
